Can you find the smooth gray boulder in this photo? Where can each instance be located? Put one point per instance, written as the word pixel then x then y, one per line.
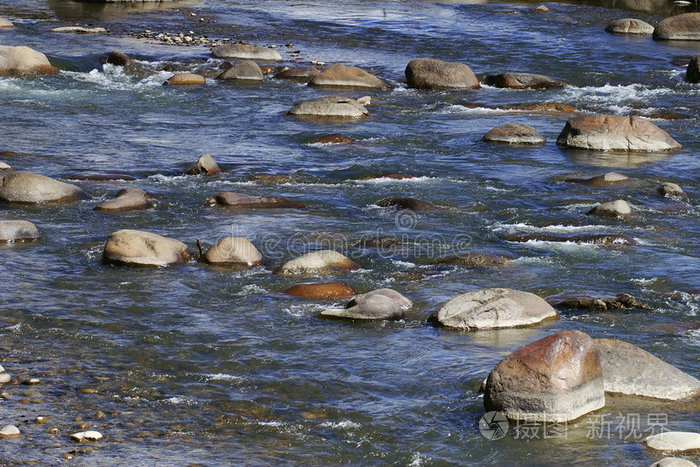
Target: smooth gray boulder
pixel 247 70
pixel 630 26
pixel 692 73
pixel 375 305
pixel 127 199
pixel 523 81
pixel 428 73
pixel 246 52
pixel 674 441
pixel 330 107
pixel 673 462
pixel 555 379
pixel 17 231
pixel 685 27
pixel 514 133
pixel 632 371
pixel 139 248
pixel 32 188
pixel 493 309
pixel 615 133
pixel 317 262
pixel 617 208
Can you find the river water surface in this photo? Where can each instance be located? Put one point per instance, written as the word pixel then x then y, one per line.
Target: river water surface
pixel 206 365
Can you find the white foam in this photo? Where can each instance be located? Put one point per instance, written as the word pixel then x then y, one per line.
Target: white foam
pixel 343 425
pixel 223 377
pixel 385 180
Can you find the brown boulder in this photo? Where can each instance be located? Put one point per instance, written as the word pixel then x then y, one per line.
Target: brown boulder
pixel 20 60
pixel 343 76
pixel 555 379
pixel 630 26
pixel 514 133
pixel 239 200
pixel 692 73
pixel 302 73
pixel 138 248
pixel 186 79
pixel 428 73
pixel 523 81
pixel 247 70
pixel 685 27
pixel 336 138
pixel 206 165
pixel 126 200
pixel 118 58
pixel 408 203
pixel 28 187
pixel 583 301
pixel 323 290
pixel 233 251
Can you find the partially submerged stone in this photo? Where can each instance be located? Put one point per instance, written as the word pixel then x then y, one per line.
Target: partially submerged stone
pixel 242 201
pixel 617 208
pixel 127 199
pixel 674 441
pixel 32 188
pixel 206 165
pixel 555 379
pixel 632 371
pixel 428 73
pixel 375 305
pixel 5 23
pixel 330 107
pixel 9 431
pixel 514 133
pixel 246 52
pixel 609 178
pixel 79 30
pixel 630 26
pixel 186 79
pixel 302 73
pixel 4 167
pixel 335 138
pixel 317 262
pixel 592 239
pixel 17 231
pixel 343 76
pixel 118 58
pixel 323 290
pixel 671 190
pixel 139 248
pixel 475 260
pixel 493 309
pixel 412 204
pixel 583 301
pixel 247 70
pixel 685 27
pixel 615 133
pixel 233 251
pixel 84 436
pixel 692 73
pixel 21 60
pixel 523 81
pixel 673 462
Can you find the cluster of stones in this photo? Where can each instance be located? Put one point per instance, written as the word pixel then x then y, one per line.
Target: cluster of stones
pixel 180 38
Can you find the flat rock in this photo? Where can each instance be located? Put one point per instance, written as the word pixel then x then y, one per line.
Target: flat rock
pixel 246 52
pixel 317 262
pixel 343 76
pixel 412 204
pixel 8 431
pixel 206 165
pixel 247 70
pixel 233 251
pixel 21 60
pixel 630 26
pixel 84 436
pixel 139 248
pixel 242 201
pixel 28 187
pixel 5 23
pixel 79 30
pixel 428 73
pixel 17 231
pixel 375 305
pixel 127 199
pixel 593 239
pixel 685 27
pixel 674 441
pixel 514 133
pixel 186 79
pixel 523 81
pixel 583 301
pixel 692 73
pixel 555 379
pixel 629 370
pixel 322 290
pixel 615 133
pixel 609 178
pixel 493 309
pixel 617 208
pixel 302 73
pixel 330 107
pixel 673 462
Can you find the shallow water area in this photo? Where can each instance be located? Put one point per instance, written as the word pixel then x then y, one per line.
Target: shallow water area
pixel 215 365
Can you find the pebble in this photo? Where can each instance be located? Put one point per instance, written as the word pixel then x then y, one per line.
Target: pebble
pixel 40 419
pixel 31 381
pixel 9 430
pixel 86 436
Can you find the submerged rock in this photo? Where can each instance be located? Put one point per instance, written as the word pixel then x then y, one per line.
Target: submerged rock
pixel 684 27
pixel 692 73
pixel 247 70
pixel 630 26
pixel 335 138
pixel 206 165
pixel 523 81
pixel 323 290
pixel 330 107
pixel 233 251
pixel 239 200
pixel 186 79
pixel 629 370
pixel 408 203
pixel 139 248
pixel 126 200
pixel 610 178
pixel 555 379
pixel 583 301
pixel 617 208
pixel 317 262
pixel 615 133
pixel 302 73
pixel 514 133
pixel 21 60
pixel 375 305
pixel 246 52
pixel 428 73
pixel 493 309
pixel 475 260
pixel 674 441
pixel 17 231
pixel 118 58
pixel 343 76
pixel 593 239
pixel 28 187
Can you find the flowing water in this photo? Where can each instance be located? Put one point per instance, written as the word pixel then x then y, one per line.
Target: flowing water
pixel 196 364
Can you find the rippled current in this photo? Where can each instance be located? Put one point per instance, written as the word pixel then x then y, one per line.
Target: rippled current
pixel 196 364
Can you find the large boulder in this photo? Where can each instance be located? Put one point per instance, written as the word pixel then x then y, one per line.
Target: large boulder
pixel 629 370
pixel 127 199
pixel 615 133
pixel 28 187
pixel 555 379
pixel 246 52
pixel 428 73
pixel 247 70
pixel 21 60
pixel 374 305
pixel 617 208
pixel 680 27
pixel 233 251
pixel 242 201
pixel 493 309
pixel 322 290
pixel 692 73
pixel 5 23
pixel 17 231
pixel 343 76
pixel 206 165
pixel 523 81
pixel 317 262
pixel 302 73
pixel 330 107
pixel 674 441
pixel 186 79
pixel 630 26
pixel 514 133
pixel 138 248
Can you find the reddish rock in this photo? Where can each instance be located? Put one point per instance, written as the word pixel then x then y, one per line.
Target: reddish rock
pixel 239 200
pixel 186 79
pixel 523 81
pixel 335 138
pixel 428 73
pixel 323 290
